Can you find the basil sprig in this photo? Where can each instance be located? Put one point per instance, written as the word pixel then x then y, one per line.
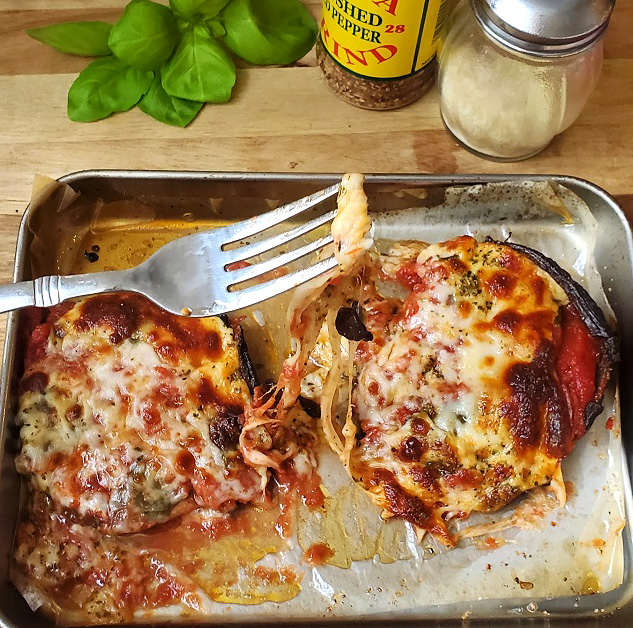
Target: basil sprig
pixel 193 8
pixel 171 60
pixel 145 35
pixel 169 109
pixel 86 39
pixel 105 86
pixel 201 69
pixel 265 33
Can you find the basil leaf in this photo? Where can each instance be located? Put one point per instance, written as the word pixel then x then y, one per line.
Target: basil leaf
pixel 105 86
pixel 215 28
pixel 145 35
pixel 267 32
pixel 200 69
pixel 189 8
pixel 86 39
pixel 165 108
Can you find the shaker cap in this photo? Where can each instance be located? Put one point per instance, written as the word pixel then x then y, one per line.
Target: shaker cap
pixel 544 27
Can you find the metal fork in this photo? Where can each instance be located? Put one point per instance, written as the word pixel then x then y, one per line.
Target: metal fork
pixel 193 275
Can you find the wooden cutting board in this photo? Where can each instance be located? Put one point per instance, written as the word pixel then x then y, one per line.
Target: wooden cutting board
pixel 280 119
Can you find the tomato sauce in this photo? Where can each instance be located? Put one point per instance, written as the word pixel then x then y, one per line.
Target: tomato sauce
pixel 285 519
pixel 37 343
pixel 576 367
pixel 407 275
pixel 310 491
pixel 291 486
pixel 318 553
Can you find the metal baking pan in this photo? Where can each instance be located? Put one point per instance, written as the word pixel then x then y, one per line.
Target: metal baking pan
pixel 186 194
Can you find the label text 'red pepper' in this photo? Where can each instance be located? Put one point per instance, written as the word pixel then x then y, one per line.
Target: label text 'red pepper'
pixel 385 39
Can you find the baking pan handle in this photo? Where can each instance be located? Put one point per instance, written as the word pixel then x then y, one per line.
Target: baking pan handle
pixel 51 290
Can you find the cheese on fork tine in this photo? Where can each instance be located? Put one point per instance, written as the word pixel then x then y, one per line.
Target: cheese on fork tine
pixel 352 226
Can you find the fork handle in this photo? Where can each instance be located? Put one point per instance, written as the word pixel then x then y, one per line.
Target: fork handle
pixel 53 289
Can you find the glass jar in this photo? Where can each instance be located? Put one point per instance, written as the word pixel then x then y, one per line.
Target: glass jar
pixel 380 54
pixel 507 99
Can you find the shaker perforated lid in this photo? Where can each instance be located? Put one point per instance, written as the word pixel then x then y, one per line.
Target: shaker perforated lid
pixel 544 27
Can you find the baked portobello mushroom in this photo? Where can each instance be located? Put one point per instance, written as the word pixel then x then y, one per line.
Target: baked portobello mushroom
pixel 130 416
pixel 476 384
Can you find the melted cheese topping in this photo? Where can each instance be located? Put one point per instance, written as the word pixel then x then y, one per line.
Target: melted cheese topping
pixel 130 416
pixel 457 395
pixel 352 226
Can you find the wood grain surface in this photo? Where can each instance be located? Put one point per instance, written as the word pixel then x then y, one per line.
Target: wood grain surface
pixel 280 119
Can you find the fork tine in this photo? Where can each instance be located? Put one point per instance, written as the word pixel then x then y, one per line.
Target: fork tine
pixel 254 225
pixel 256 270
pixel 261 292
pixel 250 250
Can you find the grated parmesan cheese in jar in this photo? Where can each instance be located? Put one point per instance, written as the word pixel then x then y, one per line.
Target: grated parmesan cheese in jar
pixel 506 103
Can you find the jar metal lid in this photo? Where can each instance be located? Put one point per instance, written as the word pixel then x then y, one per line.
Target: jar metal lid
pixel 548 28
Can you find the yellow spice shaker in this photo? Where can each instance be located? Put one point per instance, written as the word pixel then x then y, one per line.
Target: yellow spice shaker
pixel 380 54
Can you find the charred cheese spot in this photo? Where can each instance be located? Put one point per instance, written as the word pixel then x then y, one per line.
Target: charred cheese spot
pixel 406 505
pixel 411 449
pixel 225 432
pixel 185 463
pixel 536 409
pixel 74 413
pixel 35 382
pixel 510 260
pixel 538 289
pixel 465 309
pixel 501 285
pixel 419 426
pixel 206 394
pixel 508 321
pixel 116 314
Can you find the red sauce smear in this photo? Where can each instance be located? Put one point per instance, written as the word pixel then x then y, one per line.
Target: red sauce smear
pixel 150 586
pixel 292 485
pixel 318 553
pixel 407 275
pixel 492 543
pixel 192 533
pixel 310 491
pixel 37 344
pixel 283 524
